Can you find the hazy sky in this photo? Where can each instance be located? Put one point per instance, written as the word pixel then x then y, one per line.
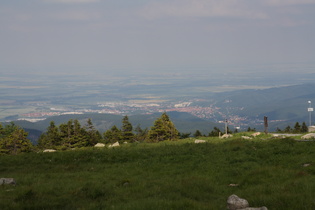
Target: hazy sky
pixel 71 35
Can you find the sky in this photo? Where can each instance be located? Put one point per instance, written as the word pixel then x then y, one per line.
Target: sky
pixel 150 35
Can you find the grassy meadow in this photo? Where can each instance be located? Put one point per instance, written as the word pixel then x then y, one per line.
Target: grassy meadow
pixel 166 175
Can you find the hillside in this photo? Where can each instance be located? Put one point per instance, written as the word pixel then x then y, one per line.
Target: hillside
pixel 288 99
pixel 278 174
pixel 287 104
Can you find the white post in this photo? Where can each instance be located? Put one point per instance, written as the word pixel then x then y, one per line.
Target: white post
pixel 310 109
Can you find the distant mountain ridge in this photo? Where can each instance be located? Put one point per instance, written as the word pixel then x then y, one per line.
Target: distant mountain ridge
pixel 282 105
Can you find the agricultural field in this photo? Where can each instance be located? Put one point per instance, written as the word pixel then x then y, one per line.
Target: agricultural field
pixel 276 173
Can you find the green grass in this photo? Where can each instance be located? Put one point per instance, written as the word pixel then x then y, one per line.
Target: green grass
pixel 166 175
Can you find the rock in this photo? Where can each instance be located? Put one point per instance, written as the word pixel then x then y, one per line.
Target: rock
pixel 197 141
pixel 7 181
pixel 116 144
pixel 126 184
pixel 49 150
pixel 308 136
pixel 306 165
pixel 246 137
pixel 234 202
pixel 226 136
pixel 256 134
pixel 99 145
pixel 311 128
pixel 233 185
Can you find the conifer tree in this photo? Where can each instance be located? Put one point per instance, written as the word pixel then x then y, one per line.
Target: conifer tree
pixel 297 128
pixel 73 135
pixel 288 129
pixel 141 134
pixel 13 140
pixel 50 138
pixel 113 135
pixel 92 134
pixel 304 128
pixel 215 132
pixel 197 133
pixel 126 130
pixel 163 129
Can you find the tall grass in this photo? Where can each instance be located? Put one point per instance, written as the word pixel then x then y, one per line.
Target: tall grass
pixel 167 175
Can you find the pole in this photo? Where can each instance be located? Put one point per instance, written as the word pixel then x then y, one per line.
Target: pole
pixel 266 124
pixel 226 126
pixel 310 109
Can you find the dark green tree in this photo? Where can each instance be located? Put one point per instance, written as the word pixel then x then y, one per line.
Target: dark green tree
pixel 93 135
pixel 113 135
pixel 51 137
pixel 304 128
pixel 73 135
pixel 1 130
pixel 184 135
pixel 288 129
pixel 141 134
pixel 126 130
pixel 249 129
pixel 163 129
pixel 215 132
pixel 297 128
pixel 278 130
pixel 13 140
pixel 197 134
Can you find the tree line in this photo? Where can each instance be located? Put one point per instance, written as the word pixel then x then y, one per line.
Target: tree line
pixel 296 129
pixel 72 134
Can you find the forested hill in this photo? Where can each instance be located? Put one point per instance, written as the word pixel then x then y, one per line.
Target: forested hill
pixel 184 122
pixel 279 103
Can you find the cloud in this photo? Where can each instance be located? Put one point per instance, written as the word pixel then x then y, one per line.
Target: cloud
pixel 202 8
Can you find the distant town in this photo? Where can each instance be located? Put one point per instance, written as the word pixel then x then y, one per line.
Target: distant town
pixel 211 112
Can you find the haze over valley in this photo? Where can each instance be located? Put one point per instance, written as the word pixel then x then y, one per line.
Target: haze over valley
pixel 240 96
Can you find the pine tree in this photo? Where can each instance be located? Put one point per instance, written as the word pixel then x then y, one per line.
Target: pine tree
pixel 278 130
pixel 51 137
pixel 13 140
pixel 304 128
pixel 163 129
pixel 73 135
pixel 297 128
pixel 92 134
pixel 249 129
pixel 215 132
pixel 113 135
pixel 288 129
pixel 184 135
pixel 141 134
pixel 126 130
pixel 197 134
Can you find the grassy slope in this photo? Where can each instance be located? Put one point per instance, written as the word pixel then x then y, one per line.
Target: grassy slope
pixel 168 175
